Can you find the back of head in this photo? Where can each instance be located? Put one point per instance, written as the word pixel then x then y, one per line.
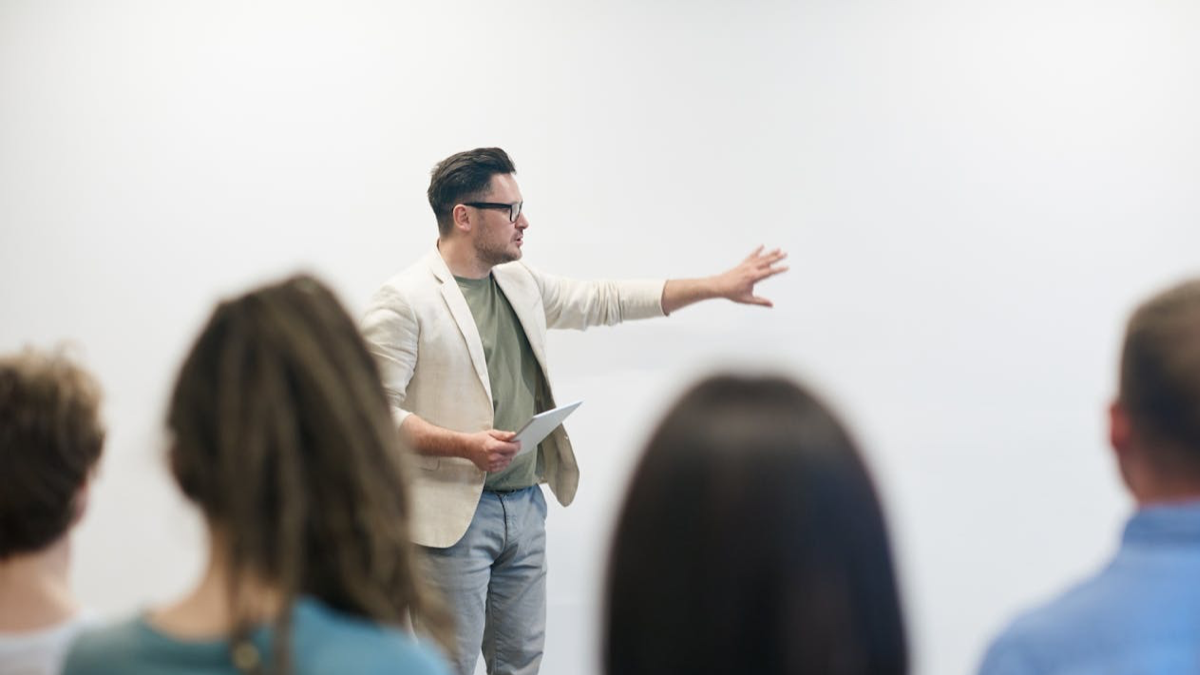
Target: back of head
pixel 751 540
pixel 1160 376
pixel 50 439
pixel 461 177
pixel 284 438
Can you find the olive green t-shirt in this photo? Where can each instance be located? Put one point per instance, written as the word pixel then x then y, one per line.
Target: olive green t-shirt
pixel 514 373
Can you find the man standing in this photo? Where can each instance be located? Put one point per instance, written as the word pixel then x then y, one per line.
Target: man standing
pixel 460 338
pixel 1141 613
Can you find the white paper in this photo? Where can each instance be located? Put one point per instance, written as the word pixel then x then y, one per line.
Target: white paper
pixel 541 424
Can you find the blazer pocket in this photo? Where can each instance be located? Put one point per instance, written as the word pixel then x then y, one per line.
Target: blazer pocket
pixel 428 463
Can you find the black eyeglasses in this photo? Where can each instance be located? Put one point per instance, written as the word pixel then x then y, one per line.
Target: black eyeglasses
pixel 514 210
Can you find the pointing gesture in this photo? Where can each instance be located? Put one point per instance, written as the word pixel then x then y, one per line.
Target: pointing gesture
pixel 737 284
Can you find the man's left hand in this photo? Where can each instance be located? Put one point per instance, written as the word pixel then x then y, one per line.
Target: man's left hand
pixel 738 283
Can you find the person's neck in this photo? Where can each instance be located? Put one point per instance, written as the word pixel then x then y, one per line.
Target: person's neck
pixel 1157 485
pixel 207 612
pixel 34 589
pixel 1168 495
pixel 462 259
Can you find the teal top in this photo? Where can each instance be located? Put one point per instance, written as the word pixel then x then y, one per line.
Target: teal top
pixel 514 373
pixel 323 641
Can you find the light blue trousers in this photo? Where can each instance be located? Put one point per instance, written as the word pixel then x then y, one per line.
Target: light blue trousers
pixel 494 580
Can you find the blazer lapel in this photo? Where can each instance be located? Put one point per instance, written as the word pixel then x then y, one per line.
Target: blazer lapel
pixel 524 300
pixel 463 318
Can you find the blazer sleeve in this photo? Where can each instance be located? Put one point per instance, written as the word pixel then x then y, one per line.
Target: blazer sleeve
pixel 391 330
pixel 571 303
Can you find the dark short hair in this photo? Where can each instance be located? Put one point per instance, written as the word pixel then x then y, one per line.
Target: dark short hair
pixel 1160 371
pixel 50 438
pixel 752 541
pixel 464 176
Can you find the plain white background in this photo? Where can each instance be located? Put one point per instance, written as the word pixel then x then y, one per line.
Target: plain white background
pixel 973 194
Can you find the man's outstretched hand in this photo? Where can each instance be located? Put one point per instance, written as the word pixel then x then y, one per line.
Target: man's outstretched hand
pixel 737 284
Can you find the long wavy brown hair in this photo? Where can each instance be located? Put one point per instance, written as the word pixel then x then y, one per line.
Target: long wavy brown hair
pixel 284 439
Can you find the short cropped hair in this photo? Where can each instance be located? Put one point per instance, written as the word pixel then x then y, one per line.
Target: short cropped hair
pixel 1160 370
pixel 50 439
pixel 464 176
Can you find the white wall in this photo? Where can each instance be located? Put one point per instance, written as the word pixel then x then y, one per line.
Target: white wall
pixel 973 195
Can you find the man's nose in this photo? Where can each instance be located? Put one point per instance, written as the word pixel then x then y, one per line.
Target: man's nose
pixel 522 222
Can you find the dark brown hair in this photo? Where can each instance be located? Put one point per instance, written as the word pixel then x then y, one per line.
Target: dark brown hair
pixel 1160 372
pixel 283 437
pixel 50 438
pixel 464 176
pixel 752 541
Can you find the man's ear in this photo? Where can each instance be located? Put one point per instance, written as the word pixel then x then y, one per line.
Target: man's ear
pixel 462 218
pixel 1120 428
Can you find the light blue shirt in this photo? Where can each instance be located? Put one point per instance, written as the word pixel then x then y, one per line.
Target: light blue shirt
pixel 323 641
pixel 1140 615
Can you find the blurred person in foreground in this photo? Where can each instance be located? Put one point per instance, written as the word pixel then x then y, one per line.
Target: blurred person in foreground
pixel 1141 612
pixel 752 541
pixel 51 438
pixel 283 438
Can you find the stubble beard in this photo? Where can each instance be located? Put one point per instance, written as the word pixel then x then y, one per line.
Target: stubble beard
pixel 495 255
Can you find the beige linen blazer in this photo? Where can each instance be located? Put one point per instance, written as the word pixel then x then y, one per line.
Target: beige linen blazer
pixel 431 359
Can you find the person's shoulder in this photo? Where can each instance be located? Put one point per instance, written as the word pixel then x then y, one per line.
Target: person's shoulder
pixel 103 648
pixel 519 273
pixel 393 652
pixel 419 273
pixel 406 290
pixel 331 641
pixel 1050 632
pixel 1018 649
pixel 515 267
pixel 369 651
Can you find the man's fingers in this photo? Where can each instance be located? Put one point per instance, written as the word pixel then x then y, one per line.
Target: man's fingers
pixel 760 259
pixel 768 272
pixel 751 299
pixel 769 259
pixel 502 456
pixel 506 449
